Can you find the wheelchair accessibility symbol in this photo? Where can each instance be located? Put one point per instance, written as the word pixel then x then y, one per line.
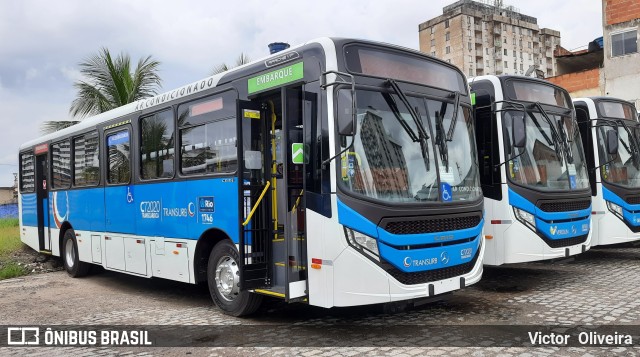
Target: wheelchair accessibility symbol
pixel 129 195
pixel 445 192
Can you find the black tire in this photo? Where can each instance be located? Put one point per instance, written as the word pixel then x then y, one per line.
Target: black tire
pixel 69 255
pixel 231 300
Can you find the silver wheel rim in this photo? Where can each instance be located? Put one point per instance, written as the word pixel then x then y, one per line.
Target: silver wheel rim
pixel 227 278
pixel 69 253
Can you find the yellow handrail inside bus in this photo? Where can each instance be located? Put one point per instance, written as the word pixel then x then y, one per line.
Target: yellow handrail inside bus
pixel 266 187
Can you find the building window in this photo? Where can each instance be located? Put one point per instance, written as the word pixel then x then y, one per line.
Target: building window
pixel 470 72
pixel 118 148
pixel 470 58
pixel 624 43
pixel 470 46
pixel 448 50
pixel 529 44
pixel 515 65
pixel 506 64
pixel 530 56
pixel 446 24
pixel 61 168
pixel 447 36
pixel 487 50
pixel 513 29
pixel 157 145
pixel 433 53
pixel 449 61
pixel 433 42
pixel 86 160
pixel 521 67
pixel 505 40
pixel 433 29
pixel 506 52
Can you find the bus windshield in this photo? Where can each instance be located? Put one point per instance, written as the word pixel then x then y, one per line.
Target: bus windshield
pixel 548 161
pixel 617 110
pixel 392 160
pixel 621 169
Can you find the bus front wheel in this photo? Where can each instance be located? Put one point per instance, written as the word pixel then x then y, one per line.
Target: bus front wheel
pixel 72 263
pixel 223 277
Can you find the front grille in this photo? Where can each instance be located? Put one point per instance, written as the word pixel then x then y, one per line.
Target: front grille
pixel 633 200
pixel 563 206
pixel 433 225
pixel 432 275
pixel 560 243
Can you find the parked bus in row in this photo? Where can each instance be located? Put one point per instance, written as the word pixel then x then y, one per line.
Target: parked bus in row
pixel 335 173
pixel 532 169
pixel 610 133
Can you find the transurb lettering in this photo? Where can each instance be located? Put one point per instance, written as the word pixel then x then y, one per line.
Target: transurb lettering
pixel 176 93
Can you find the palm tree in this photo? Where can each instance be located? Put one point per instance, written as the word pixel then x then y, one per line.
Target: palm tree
pixel 53 125
pixel 110 83
pixel 242 59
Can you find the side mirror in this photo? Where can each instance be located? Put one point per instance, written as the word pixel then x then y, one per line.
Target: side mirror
pixel 612 142
pixel 346 113
pixel 519 131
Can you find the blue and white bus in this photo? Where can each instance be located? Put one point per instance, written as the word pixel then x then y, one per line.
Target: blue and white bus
pixel 335 173
pixel 532 170
pixel 614 167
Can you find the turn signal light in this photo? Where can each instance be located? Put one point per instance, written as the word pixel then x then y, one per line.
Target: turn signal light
pixel 316 263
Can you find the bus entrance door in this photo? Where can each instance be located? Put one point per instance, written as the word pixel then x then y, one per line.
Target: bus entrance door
pixel 254 181
pixel 42 194
pixel 295 158
pixel 272 243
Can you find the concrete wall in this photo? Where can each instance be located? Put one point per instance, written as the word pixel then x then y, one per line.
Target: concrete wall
pixel 621 73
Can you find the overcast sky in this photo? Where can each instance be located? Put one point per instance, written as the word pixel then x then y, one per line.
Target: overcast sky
pixel 41 42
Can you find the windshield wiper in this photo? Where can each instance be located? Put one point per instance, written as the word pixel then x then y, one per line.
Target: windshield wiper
pixel 441 140
pixel 554 131
pixel 635 152
pixel 422 133
pixel 454 118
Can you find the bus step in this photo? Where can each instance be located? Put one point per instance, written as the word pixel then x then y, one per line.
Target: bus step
pixel 275 292
pixel 47 252
pixel 291 264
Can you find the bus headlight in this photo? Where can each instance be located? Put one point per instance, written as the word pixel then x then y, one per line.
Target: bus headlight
pixel 614 208
pixel 526 218
pixel 362 241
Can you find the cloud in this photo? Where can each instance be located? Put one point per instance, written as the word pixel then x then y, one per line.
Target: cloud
pixel 47 40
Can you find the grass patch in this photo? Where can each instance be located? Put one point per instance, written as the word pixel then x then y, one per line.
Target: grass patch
pixel 9 243
pixel 9 236
pixel 12 270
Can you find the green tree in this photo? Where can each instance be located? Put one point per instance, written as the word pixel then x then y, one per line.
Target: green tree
pixel 110 83
pixel 242 59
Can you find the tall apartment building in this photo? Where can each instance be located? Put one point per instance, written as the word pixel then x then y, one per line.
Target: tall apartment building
pixel 484 37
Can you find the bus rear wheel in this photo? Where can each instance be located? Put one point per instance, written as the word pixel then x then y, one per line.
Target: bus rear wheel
pixel 70 258
pixel 223 277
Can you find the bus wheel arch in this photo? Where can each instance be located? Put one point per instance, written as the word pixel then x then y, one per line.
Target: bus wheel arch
pixel 205 245
pixel 63 229
pixel 70 258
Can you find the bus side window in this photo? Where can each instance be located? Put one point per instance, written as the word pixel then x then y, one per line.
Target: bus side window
pixel 584 124
pixel 157 141
pixel 487 141
pixel 86 160
pixel 118 151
